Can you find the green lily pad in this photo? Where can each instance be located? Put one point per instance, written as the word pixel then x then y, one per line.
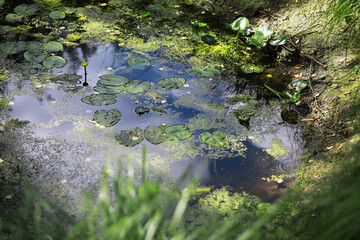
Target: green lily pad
pixel 55 15
pixel 177 132
pixel 13 18
pixel 113 80
pixel 107 118
pixel 297 84
pixel 27 68
pixel 35 55
pixel 214 138
pixel 100 99
pixel 141 110
pixel 33 45
pixel 136 86
pixel 13 47
pixel 247 68
pixel 171 83
pixel 109 89
pixel 155 134
pixel 53 46
pixel 138 63
pixel 130 138
pixel 68 78
pixel 54 61
pixel 26 10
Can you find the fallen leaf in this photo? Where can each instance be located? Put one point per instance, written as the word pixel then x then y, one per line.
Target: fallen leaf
pixel 1 161
pixel 352 78
pixel 186 85
pixel 298 66
pixel 136 101
pixel 122 21
pixel 163 124
pixel 102 4
pixel 163 101
pixel 349 92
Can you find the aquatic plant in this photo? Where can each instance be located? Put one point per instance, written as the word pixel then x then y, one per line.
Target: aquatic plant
pixel 171 83
pixel 100 99
pixel 177 132
pixel 292 93
pixel 155 134
pixel 138 63
pixel 130 138
pixel 260 36
pixel 137 86
pixel 107 118
pixel 214 138
pixel 54 61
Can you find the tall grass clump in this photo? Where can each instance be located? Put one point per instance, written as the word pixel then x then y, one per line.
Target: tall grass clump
pixel 343 17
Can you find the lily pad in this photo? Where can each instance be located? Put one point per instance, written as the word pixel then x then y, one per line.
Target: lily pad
pixel 155 134
pixel 214 138
pixel 13 47
pixel 107 118
pixel 263 33
pixel 54 61
pixel 241 25
pixel 35 55
pixel 159 110
pixel 138 63
pixel 68 78
pixel 53 46
pixel 297 84
pixel 26 10
pixel 109 89
pixel 171 83
pixel 289 116
pixel 136 86
pixel 141 110
pixel 13 18
pixel 27 68
pixel 256 42
pixel 100 99
pixel 177 132
pixel 55 15
pixel 33 45
pixel 279 40
pixel 113 80
pixel 130 138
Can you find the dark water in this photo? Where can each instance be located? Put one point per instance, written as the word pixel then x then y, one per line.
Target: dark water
pixel 70 151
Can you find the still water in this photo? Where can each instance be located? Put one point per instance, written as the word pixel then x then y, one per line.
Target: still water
pixel 69 150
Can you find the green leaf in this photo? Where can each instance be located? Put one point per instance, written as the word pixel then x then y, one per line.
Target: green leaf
pixel 240 24
pixel 279 40
pixel 13 18
pixel 2 2
pixel 13 47
pixel 263 33
pixel 292 96
pixel 35 55
pixel 33 45
pixel 297 84
pixel 68 78
pixel 54 61
pixel 177 132
pixel 53 46
pixel 273 91
pixel 214 138
pixel 113 80
pixel 55 15
pixel 138 63
pixel 141 110
pixel 107 118
pixel 145 14
pixel 100 99
pixel 155 135
pixel 136 86
pixel 130 138
pixel 27 68
pixel 171 83
pixel 26 10
pixel 255 42
pixel 109 89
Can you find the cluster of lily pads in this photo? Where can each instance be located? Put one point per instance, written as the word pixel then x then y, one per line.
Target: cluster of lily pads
pixel 34 53
pixel 110 85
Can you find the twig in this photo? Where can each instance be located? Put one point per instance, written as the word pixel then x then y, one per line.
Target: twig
pixel 315 97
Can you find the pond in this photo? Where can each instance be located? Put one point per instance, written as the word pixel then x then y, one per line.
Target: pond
pixel 69 149
pixel 97 104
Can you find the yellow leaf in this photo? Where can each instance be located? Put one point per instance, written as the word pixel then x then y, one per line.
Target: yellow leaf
pixel 1 161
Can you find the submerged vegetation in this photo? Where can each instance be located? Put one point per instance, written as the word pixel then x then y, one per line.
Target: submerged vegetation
pixel 321 204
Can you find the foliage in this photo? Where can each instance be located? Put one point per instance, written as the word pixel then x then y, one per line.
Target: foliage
pixel 292 93
pixel 214 138
pixel 107 118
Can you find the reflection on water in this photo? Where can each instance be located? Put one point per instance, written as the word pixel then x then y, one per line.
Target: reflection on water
pixel 70 150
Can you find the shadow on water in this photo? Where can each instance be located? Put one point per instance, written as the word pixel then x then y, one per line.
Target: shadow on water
pixel 70 150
